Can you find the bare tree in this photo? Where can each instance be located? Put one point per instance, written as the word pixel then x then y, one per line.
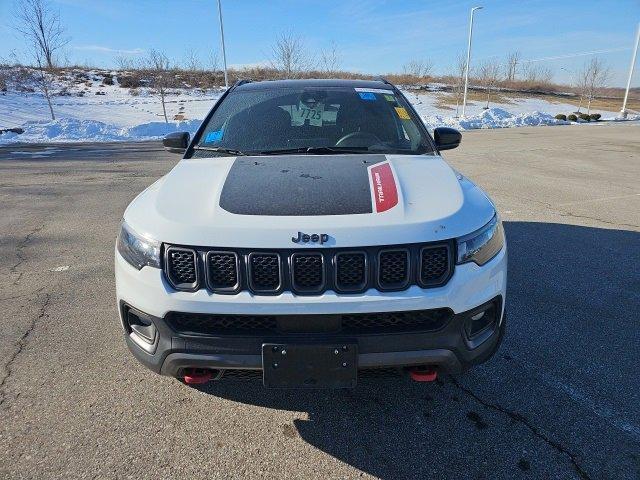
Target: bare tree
pixel 581 82
pixel 511 67
pixel 44 81
pixel 191 61
pixel 158 64
pixel 213 65
pixel 489 76
pixel 544 74
pixel 458 88
pixel 125 63
pixel 536 73
pixel 4 76
pixel 330 59
pixel 595 75
pixel 41 28
pixel 418 68
pixel 214 60
pixel 289 55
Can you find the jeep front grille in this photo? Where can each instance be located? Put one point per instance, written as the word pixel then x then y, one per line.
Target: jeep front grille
pixel 181 267
pixel 222 271
pixel 393 270
pixel 351 271
pixel 308 272
pixel 264 272
pixel 434 265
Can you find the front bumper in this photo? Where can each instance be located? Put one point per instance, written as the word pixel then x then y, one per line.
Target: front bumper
pixel 448 348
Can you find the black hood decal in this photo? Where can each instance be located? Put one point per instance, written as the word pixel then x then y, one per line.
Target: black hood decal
pixel 299 185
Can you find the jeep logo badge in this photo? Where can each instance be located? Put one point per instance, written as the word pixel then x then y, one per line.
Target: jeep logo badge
pixel 313 238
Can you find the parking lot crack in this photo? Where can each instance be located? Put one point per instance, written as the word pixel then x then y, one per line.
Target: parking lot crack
pixel 596 219
pixel 521 419
pixel 20 344
pixel 20 253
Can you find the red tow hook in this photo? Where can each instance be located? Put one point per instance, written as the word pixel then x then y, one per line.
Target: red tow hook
pixel 423 375
pixel 197 376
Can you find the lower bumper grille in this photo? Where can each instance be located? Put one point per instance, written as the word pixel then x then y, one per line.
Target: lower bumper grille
pixel 220 324
pixel 415 320
pixel 350 323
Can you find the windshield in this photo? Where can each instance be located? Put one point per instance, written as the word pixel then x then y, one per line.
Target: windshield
pixel 314 120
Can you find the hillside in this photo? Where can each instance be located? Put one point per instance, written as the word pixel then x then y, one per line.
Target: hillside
pixel 104 105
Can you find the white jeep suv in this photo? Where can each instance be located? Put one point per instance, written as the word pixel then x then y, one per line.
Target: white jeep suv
pixel 311 231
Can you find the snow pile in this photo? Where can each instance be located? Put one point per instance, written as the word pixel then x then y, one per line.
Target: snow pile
pixel 160 129
pixel 74 130
pixel 494 118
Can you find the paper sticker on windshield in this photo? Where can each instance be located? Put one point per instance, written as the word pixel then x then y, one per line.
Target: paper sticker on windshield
pixel 389 98
pixel 214 136
pixel 402 113
pixel 304 112
pixel 369 96
pixel 374 90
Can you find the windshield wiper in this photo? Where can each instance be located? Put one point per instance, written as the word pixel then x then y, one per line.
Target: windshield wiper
pixel 230 151
pixel 317 150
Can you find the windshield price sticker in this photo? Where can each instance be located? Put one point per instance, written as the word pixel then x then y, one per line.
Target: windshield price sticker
pixel 306 112
pixel 374 90
pixel 369 96
pixel 213 137
pixel 402 113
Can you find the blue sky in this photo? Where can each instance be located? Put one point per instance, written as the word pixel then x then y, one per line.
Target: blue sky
pixel 372 36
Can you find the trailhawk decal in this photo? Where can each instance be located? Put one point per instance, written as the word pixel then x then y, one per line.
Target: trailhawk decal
pixel 384 191
pixel 305 185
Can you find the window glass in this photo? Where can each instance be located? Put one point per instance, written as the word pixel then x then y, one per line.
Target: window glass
pixel 366 120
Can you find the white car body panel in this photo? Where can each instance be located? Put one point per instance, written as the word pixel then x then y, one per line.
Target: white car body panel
pixel 434 203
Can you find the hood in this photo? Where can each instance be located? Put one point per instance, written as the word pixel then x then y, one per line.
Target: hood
pixel 353 200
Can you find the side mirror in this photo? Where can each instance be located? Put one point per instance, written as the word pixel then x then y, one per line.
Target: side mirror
pixel 176 142
pixel 447 138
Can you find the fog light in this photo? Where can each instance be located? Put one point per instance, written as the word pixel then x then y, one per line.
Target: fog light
pixel 481 321
pixel 141 329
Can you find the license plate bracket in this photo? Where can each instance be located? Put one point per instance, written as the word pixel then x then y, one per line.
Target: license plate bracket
pixel 310 365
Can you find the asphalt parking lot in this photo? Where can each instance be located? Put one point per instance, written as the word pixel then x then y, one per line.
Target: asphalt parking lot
pixel 561 399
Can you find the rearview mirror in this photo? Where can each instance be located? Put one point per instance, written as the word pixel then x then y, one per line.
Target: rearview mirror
pixel 176 142
pixel 447 138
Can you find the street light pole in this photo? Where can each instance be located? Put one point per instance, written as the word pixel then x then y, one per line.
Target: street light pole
pixel 623 112
pixel 224 53
pixel 466 68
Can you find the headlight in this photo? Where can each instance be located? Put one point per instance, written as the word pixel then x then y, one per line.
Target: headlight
pixel 482 245
pixel 137 250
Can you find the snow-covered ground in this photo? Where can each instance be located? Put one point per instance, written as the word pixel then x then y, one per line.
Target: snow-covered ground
pixel 112 113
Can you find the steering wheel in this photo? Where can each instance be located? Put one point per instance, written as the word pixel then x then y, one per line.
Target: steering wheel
pixel 357 139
